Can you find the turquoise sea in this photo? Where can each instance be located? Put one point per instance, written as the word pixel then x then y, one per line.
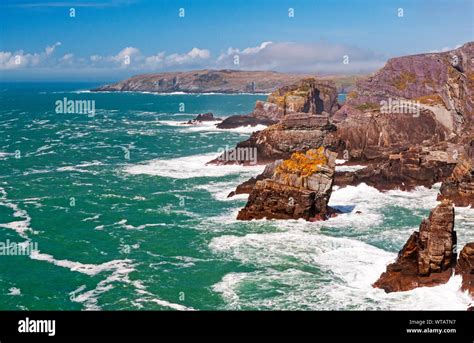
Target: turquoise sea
pixel 127 216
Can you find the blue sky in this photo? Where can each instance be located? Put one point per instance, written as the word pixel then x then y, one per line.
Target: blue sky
pixel 114 39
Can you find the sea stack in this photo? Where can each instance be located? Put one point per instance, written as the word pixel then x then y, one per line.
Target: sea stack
pixel 428 257
pixel 465 268
pixel 300 187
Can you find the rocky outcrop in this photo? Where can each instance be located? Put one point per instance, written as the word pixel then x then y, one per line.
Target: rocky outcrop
pixel 247 186
pixel 428 257
pixel 405 170
pixel 203 117
pixel 204 81
pixel 459 186
pixel 465 268
pixel 309 95
pixel 296 132
pixel 300 187
pixel 371 134
pixel 243 120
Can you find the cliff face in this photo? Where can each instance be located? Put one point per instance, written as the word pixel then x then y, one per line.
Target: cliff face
pixel 309 95
pixel 296 132
pixel 205 81
pixel 442 82
pixel 459 186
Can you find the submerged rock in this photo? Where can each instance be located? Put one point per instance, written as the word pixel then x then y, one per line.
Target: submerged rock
pixel 465 267
pixel 428 257
pixel 300 187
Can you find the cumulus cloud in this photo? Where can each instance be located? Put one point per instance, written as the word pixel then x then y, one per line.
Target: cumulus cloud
pixel 132 58
pixel 20 59
pixel 321 57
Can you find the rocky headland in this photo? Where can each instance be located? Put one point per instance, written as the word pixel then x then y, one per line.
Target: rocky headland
pixel 409 124
pixel 204 81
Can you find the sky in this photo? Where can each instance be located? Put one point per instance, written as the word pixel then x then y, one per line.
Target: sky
pixel 92 40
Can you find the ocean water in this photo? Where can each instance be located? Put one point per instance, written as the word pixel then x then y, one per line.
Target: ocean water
pixel 127 215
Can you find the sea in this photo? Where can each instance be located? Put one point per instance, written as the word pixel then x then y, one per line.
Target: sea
pixel 124 213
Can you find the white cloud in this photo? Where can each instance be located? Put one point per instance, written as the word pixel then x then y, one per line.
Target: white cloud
pixel 19 59
pixel 319 57
pixel 50 49
pixel 447 48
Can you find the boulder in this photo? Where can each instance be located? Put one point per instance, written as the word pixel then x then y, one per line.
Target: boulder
pixel 428 257
pixel 203 117
pixel 300 187
pixel 243 120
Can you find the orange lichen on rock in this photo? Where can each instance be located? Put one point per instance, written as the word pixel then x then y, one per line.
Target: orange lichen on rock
pixel 302 164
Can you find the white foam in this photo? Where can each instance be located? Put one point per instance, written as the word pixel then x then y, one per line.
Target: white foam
pixel 344 272
pixel 210 126
pixel 305 268
pixel 221 190
pixel 14 291
pixel 149 297
pixel 22 227
pixel 190 167
pixel 123 223
pixel 85 268
pixel 79 167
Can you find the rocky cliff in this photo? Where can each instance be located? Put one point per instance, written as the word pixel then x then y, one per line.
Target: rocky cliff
pixel 441 82
pixel 459 186
pixel 309 95
pixel 300 187
pixel 205 81
pixel 428 257
pixel 465 268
